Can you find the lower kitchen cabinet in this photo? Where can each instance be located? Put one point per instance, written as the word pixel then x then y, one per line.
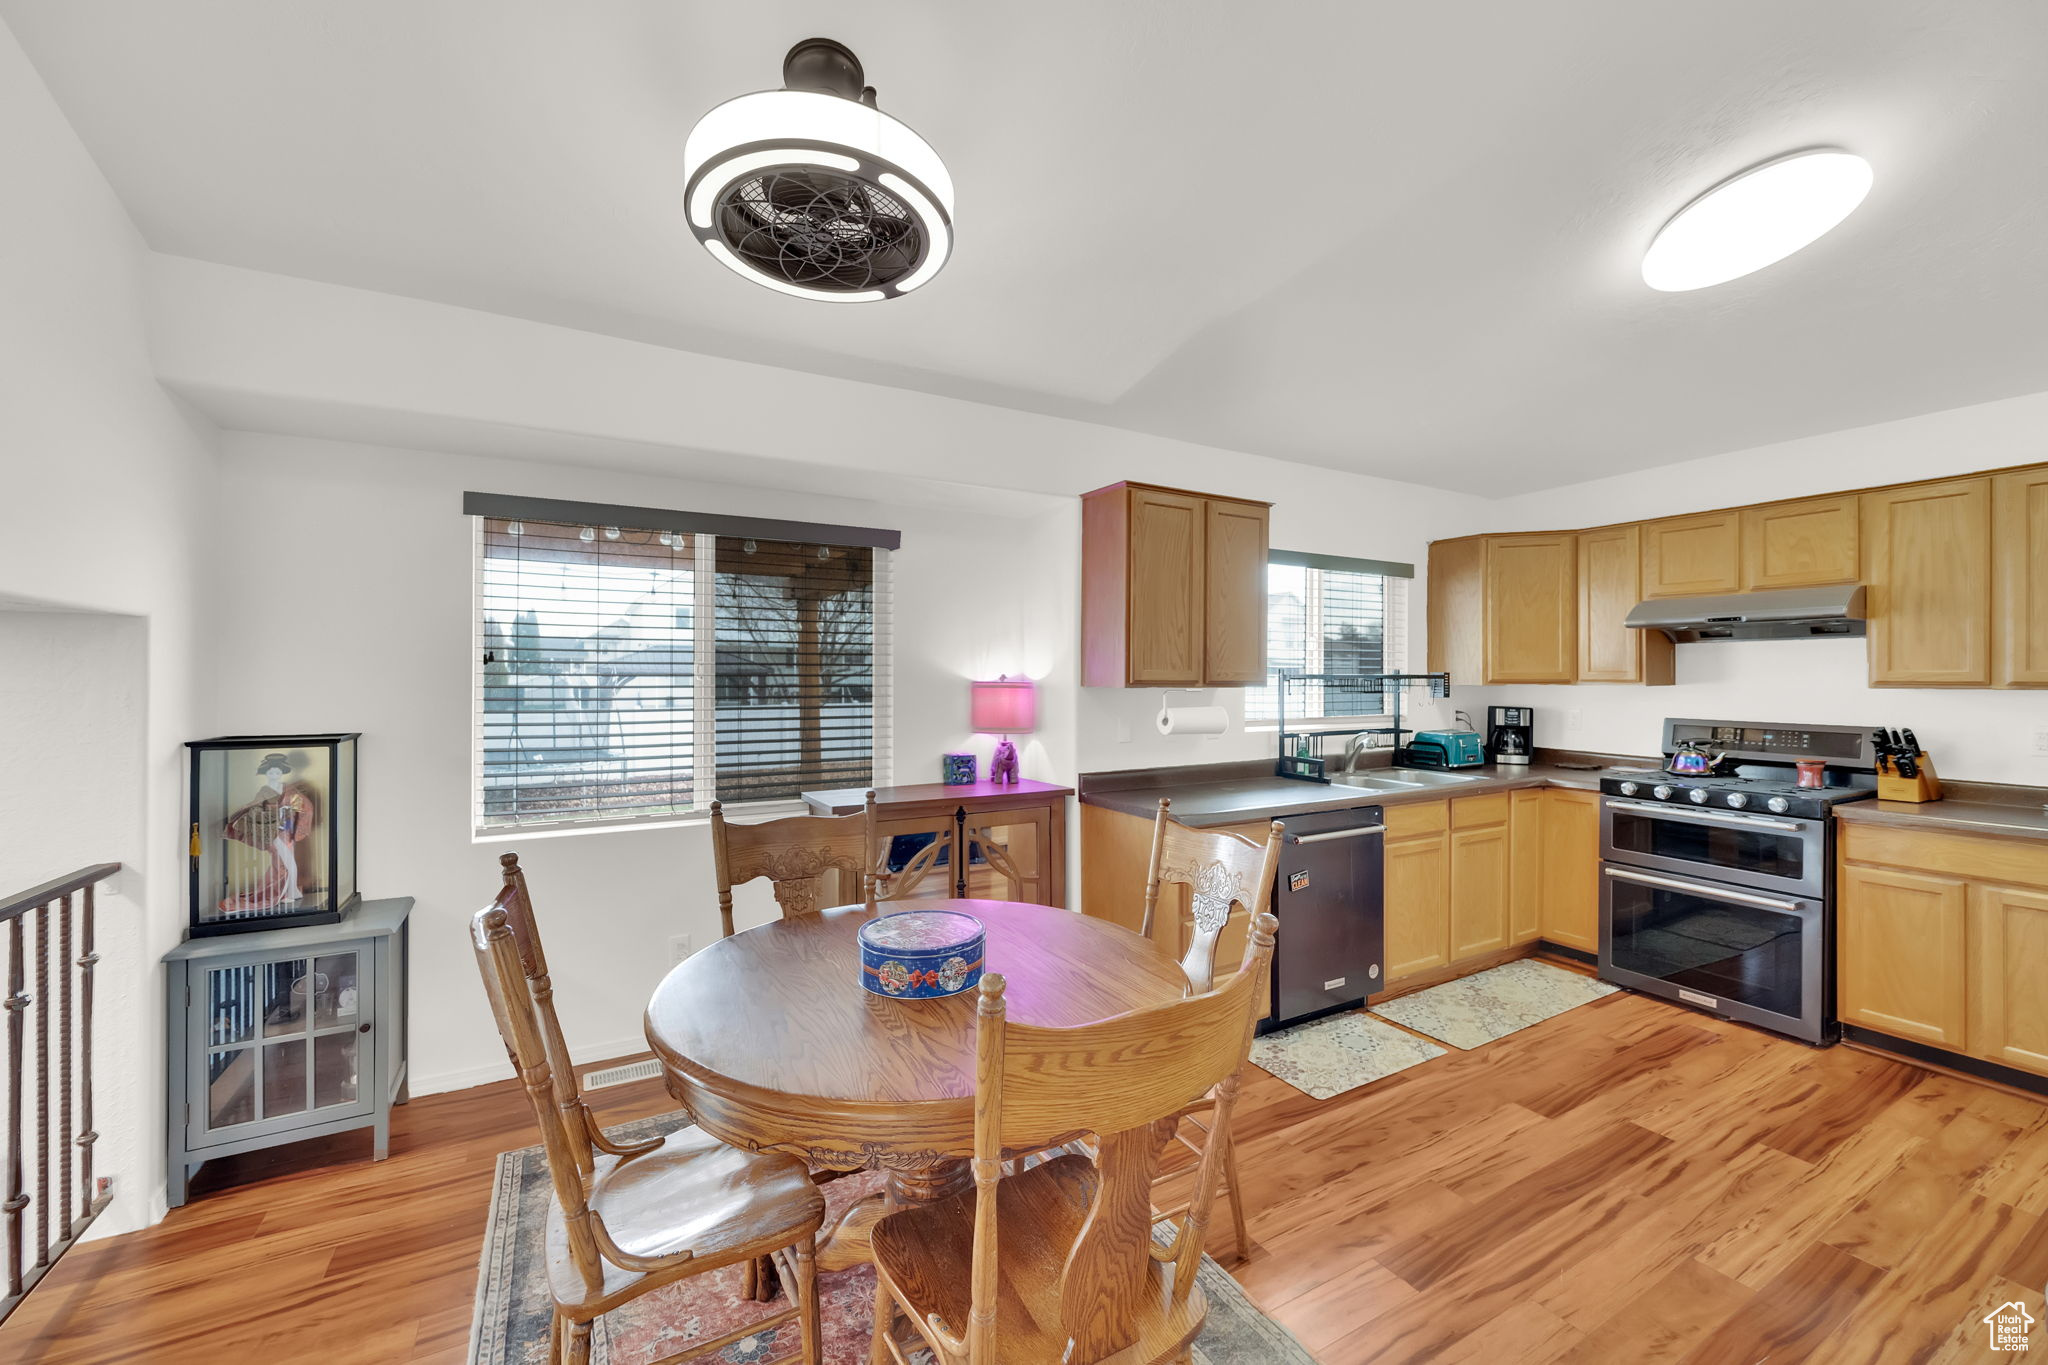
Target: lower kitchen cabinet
pixel 1570 907
pixel 1525 866
pixel 2007 977
pixel 1942 939
pixel 1481 876
pixel 1899 951
pixel 1418 889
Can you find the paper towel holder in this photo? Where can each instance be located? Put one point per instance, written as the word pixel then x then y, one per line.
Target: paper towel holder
pixel 1159 721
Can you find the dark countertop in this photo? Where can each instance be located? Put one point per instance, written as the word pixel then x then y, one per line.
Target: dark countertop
pixel 1962 814
pixel 1229 794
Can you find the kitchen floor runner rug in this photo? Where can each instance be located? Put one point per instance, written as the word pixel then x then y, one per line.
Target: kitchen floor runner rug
pixel 1477 1009
pixel 510 1324
pixel 1334 1055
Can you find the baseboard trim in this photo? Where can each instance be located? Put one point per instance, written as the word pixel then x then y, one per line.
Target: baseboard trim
pixel 465 1078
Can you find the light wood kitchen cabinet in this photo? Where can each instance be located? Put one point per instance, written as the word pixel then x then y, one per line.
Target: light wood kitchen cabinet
pixel 1610 574
pixel 1900 945
pixel 1418 889
pixel 1504 609
pixel 1457 609
pixel 1801 544
pixel 1525 864
pixel 1234 594
pixel 1571 869
pixel 1942 938
pixel 1481 874
pixel 1173 588
pixel 2008 996
pixel 1532 633
pixel 1927 566
pixel 2019 547
pixel 1692 556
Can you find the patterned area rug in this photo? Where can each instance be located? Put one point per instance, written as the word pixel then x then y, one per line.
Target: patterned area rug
pixel 1492 1004
pixel 510 1326
pixel 1330 1056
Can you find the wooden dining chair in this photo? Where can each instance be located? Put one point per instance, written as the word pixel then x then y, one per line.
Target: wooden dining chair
pixel 1223 873
pixel 796 854
pixel 1013 1272
pixel 628 1218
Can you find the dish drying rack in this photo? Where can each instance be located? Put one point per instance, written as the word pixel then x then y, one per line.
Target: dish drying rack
pixel 1393 686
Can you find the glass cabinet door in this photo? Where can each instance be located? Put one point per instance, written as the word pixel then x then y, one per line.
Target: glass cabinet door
pixel 1006 855
pixel 281 1043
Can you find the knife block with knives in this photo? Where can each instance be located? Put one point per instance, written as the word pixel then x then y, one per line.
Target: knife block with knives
pixel 1904 772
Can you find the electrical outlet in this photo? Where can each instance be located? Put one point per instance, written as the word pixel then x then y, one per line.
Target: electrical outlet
pixel 1123 732
pixel 678 947
pixel 2041 741
pixel 1574 721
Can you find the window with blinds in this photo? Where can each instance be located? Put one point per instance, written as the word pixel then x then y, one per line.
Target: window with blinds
pixel 1325 619
pixel 626 674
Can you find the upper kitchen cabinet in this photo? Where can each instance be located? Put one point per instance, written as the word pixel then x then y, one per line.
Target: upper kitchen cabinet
pixel 1692 556
pixel 1457 609
pixel 1173 588
pixel 1234 594
pixel 2019 548
pixel 1927 563
pixel 1801 544
pixel 1532 614
pixel 1611 582
pixel 1504 609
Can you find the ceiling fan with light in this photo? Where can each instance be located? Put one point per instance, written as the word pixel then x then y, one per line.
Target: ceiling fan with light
pixel 813 191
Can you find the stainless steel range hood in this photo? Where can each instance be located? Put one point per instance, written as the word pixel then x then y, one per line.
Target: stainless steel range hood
pixel 1779 614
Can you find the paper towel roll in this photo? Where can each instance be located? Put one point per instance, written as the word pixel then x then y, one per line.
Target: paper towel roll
pixel 1193 720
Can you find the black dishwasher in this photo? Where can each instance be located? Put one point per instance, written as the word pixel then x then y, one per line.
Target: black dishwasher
pixel 1330 901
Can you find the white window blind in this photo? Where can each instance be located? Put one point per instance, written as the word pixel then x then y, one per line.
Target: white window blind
pixel 1329 620
pixel 625 674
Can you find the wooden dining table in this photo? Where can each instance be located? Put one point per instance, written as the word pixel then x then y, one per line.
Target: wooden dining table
pixel 770 1041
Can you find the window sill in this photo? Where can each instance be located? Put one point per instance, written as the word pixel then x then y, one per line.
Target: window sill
pixel 504 834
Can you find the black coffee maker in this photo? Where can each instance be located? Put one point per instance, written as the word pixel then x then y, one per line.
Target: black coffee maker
pixel 1510 734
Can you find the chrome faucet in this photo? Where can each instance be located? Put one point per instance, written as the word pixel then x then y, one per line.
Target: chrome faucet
pixel 1357 745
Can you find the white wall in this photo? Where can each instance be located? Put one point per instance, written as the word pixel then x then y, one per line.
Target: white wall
pixel 1979 734
pixel 105 500
pixel 380 639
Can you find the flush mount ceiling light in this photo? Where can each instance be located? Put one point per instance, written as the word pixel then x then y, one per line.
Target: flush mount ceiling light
pixel 1755 219
pixel 813 191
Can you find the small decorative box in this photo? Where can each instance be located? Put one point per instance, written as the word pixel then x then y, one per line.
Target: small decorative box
pixel 921 954
pixel 959 769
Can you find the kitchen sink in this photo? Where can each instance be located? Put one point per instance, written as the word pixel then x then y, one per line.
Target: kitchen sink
pixel 1402 779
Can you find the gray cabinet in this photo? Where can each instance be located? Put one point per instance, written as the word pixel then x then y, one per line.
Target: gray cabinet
pixel 286 1034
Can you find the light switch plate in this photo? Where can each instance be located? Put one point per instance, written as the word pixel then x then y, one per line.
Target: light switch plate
pixel 2041 741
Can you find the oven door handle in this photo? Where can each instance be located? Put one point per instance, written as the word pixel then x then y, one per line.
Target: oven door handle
pixel 1705 817
pixel 1719 893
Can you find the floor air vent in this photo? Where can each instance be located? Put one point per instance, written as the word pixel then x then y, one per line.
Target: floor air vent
pixel 619 1075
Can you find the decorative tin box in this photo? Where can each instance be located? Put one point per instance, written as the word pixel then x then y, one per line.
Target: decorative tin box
pixel 921 954
pixel 959 769
pixel 273 831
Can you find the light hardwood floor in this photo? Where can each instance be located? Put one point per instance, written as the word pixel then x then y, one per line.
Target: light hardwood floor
pixel 1627 1182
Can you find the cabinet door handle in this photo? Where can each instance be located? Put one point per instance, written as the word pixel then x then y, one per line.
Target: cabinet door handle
pixel 364 1029
pixel 1359 833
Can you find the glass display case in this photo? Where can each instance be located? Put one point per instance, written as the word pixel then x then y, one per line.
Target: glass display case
pixel 286 1034
pixel 273 831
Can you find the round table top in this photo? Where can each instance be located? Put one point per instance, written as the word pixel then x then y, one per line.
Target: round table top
pixel 770 1039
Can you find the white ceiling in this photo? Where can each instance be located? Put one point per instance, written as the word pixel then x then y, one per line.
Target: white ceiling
pixel 1398 239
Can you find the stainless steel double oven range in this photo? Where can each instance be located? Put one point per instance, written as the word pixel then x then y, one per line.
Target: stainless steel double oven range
pixel 1717 871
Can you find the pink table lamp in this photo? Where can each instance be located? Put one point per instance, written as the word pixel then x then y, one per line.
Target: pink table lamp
pixel 1008 706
